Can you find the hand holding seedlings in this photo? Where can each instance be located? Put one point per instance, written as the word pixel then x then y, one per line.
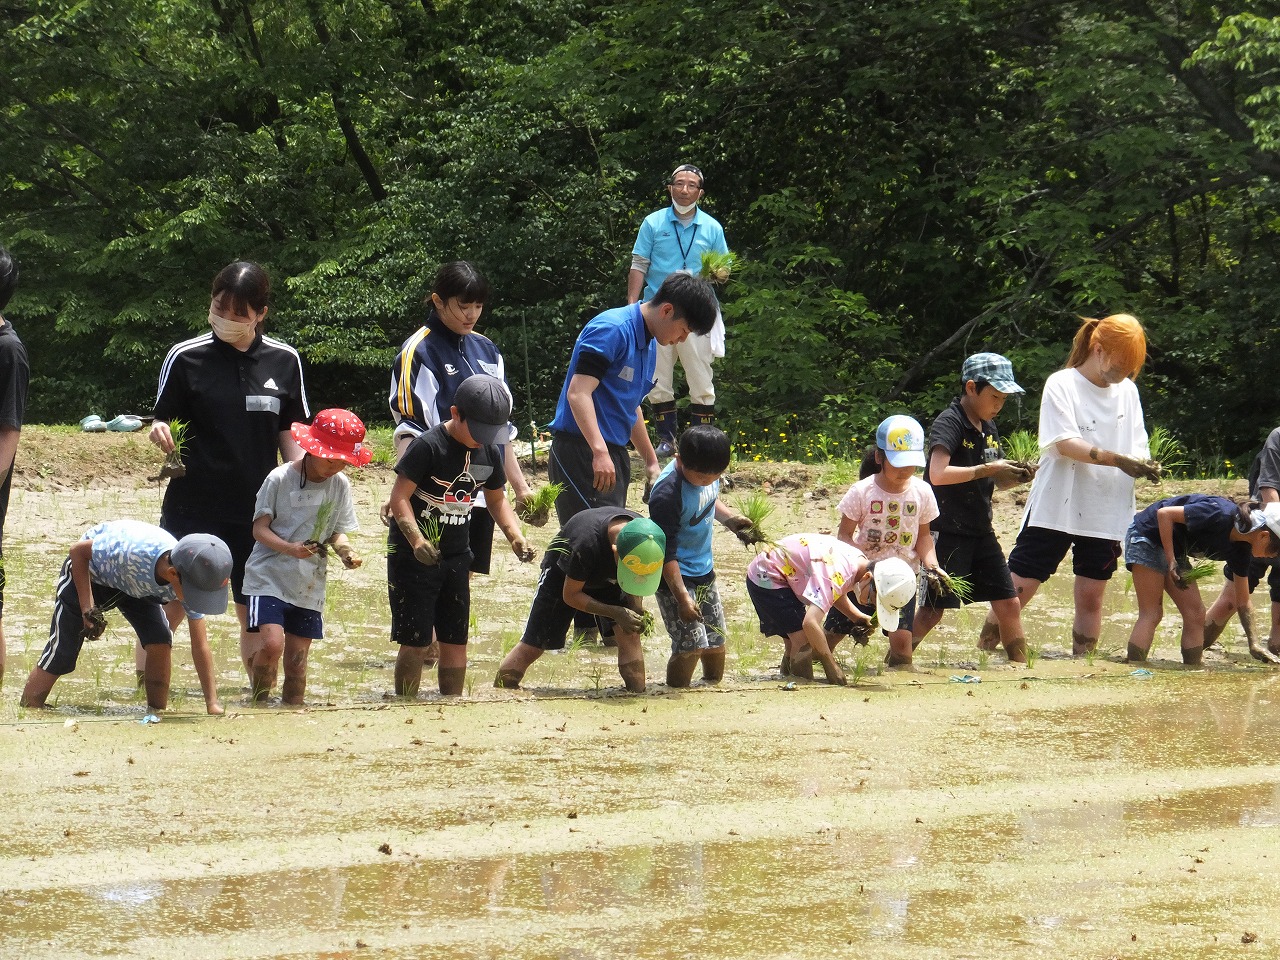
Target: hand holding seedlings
pixel 95 623
pixel 524 553
pixel 743 529
pixel 688 610
pixel 303 551
pixel 1139 469
pixel 350 559
pixel 427 553
pixel 172 439
pixel 535 507
pixel 631 621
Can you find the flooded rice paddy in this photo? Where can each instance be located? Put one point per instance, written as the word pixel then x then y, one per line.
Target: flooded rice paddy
pixel 1072 810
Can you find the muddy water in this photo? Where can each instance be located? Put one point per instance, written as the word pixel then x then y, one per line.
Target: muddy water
pixel 1058 817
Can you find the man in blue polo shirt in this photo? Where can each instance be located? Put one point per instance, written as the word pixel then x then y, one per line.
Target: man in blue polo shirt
pixel 609 374
pixel 673 240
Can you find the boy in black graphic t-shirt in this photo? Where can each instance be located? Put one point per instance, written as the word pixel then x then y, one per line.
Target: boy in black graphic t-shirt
pixel 428 547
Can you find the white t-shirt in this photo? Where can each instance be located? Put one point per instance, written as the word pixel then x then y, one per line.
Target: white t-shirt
pixel 1086 499
pixel 295 511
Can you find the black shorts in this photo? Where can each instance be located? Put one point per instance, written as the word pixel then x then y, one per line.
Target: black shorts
pixel 145 615
pixel 237 536
pixel 550 616
pixel 981 560
pixel 570 464
pixel 1038 551
pixel 426 600
pixel 480 532
pixel 1259 568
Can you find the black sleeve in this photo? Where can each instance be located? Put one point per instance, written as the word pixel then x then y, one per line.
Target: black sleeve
pixel 591 364
pixel 664 510
pixel 417 461
pixel 15 375
pixel 1269 463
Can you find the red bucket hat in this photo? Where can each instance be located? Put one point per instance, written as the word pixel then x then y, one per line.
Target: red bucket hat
pixel 334 435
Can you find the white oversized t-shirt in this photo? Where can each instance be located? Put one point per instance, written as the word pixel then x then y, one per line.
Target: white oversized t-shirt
pixel 1086 499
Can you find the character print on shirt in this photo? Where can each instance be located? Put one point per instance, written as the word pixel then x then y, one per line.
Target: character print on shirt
pixel 911 510
pixel 456 496
pixel 876 506
pixel 895 506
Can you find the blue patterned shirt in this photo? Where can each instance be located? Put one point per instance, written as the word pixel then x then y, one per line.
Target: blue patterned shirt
pixel 125 555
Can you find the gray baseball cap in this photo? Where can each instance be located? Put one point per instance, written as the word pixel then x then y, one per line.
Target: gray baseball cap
pixel 485 404
pixel 203 563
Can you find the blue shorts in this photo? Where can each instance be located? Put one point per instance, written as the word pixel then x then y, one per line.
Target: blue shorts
pixel 1038 551
pixel 1143 552
pixel 298 621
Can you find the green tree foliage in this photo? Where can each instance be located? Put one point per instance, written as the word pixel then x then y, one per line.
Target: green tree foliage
pixel 907 181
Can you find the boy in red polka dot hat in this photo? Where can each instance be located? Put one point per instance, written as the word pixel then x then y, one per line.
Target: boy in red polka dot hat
pixel 303 509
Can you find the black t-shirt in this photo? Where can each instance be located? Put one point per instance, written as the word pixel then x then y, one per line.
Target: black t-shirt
pixel 448 474
pixel 15 375
pixel 235 404
pixel 963 508
pixel 582 549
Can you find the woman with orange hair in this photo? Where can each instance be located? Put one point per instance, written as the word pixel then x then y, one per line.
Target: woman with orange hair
pixel 1093 444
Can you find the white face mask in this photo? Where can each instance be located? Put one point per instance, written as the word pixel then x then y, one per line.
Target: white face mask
pixel 684 209
pixel 232 331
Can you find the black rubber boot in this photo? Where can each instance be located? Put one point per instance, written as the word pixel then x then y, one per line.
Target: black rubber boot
pixel 667 426
pixel 702 415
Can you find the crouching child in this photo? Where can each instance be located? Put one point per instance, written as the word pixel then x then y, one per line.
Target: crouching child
pixel 135 568
pixel 602 562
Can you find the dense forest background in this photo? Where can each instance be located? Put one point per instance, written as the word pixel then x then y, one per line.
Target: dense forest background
pixel 908 181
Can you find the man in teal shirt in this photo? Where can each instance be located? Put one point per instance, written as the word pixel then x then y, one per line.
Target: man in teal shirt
pixel 673 240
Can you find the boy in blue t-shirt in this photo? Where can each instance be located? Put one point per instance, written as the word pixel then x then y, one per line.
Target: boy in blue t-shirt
pixel 684 502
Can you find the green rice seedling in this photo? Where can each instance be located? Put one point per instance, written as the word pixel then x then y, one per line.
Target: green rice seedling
pixel 1033 654
pixel 1022 446
pixel 173 466
pixel 1167 451
pixel 956 585
pixel 757 508
pixel 648 626
pixel 1197 571
pixel 718 267
pixel 320 528
pixel 541 502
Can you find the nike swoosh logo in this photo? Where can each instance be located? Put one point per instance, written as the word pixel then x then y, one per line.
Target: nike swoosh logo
pixel 699 517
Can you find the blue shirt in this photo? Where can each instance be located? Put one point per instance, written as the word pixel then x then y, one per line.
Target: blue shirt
pixel 618 344
pixel 670 247
pixel 124 557
pixel 686 513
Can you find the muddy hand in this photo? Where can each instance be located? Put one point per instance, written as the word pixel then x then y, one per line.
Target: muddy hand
pixel 1138 469
pixel 95 623
pixel 743 529
pixel 1260 652
pixel 350 559
pixel 648 490
pixel 629 620
pixel 688 611
pixel 520 505
pixel 427 553
pixel 384 513
pixel 524 553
